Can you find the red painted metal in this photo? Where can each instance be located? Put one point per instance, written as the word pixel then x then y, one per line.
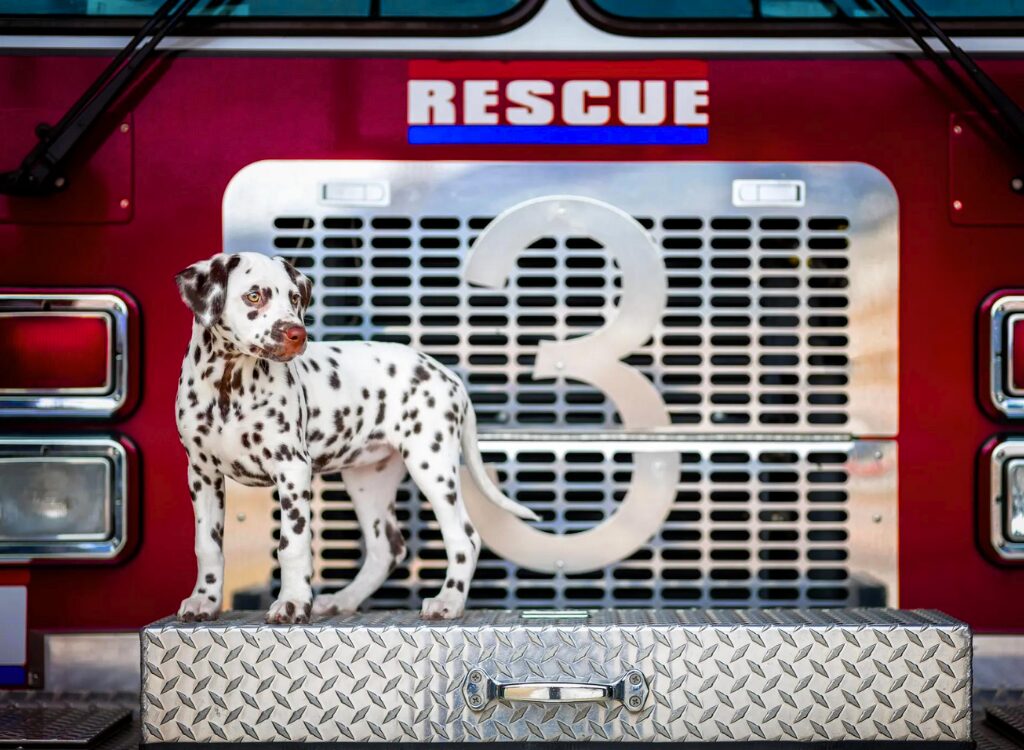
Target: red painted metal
pixel 98 183
pixel 50 352
pixel 981 167
pixel 201 119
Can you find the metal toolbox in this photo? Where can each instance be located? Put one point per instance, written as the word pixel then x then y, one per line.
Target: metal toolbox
pixel 634 675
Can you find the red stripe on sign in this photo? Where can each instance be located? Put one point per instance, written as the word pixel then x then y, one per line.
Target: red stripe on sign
pixel 548 70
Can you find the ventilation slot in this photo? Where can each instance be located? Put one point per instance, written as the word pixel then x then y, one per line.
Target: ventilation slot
pixel 761 525
pixel 753 337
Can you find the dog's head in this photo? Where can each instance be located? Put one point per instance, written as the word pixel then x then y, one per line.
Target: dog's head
pixel 254 302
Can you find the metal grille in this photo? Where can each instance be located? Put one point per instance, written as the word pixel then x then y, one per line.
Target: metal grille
pixel 780 322
pixel 768 523
pixel 755 334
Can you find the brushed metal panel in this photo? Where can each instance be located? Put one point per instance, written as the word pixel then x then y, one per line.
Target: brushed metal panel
pixel 753 523
pixel 721 356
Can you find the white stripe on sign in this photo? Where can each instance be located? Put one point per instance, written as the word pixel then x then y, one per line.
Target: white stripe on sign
pixel 13 624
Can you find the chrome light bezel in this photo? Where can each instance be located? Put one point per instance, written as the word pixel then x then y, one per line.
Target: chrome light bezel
pixel 1004 398
pixel 72 402
pixel 78 547
pixel 995 521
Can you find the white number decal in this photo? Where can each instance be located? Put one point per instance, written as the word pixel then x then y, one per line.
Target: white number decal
pixel 593 359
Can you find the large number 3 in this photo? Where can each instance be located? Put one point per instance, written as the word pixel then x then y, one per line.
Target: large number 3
pixel 593 359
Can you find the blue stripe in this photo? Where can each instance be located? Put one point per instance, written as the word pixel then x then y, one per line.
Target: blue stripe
pixel 640 135
pixel 12 676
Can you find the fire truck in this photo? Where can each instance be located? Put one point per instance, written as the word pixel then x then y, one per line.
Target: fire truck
pixel 746 343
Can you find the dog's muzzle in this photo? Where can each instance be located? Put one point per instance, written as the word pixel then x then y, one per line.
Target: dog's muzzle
pixel 290 339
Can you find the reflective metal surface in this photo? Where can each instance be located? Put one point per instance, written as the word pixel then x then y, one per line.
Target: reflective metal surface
pixel 752 523
pixel 1004 498
pixel 1000 391
pixel 713 675
pixel 73 402
pixel 90 662
pixel 594 359
pixel 630 690
pixel 110 495
pixel 779 320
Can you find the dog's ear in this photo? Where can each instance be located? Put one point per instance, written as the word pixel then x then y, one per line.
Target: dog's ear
pixel 301 281
pixel 203 287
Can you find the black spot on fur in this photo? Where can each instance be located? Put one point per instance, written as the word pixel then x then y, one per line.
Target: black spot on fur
pixel 395 540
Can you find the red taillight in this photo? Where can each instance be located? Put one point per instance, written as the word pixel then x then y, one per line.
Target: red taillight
pixel 66 353
pixel 1015 354
pixel 1001 352
pixel 56 352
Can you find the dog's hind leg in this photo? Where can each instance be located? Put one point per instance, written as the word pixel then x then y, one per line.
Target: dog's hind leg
pixel 373 489
pixel 436 474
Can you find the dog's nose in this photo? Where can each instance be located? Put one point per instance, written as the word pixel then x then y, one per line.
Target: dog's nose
pixel 295 335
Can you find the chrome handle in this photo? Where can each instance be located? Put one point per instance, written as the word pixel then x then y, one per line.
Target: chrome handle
pixel 553 692
pixel 479 690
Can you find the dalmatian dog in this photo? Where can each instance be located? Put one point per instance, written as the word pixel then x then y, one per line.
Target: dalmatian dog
pixel 260 404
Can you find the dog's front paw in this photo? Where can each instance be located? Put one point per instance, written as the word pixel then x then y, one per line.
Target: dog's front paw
pixel 286 611
pixel 328 605
pixel 439 608
pixel 198 609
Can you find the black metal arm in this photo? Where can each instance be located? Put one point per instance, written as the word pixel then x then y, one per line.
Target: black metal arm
pixel 42 171
pixel 1009 123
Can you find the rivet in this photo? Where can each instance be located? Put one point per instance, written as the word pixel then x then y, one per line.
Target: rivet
pixel 559 365
pixel 241 517
pixel 125 127
pixel 958 206
pixel 877 518
pixel 125 203
pixel 59 182
pixel 1017 184
pixel 559 564
pixel 878 455
pixel 957 130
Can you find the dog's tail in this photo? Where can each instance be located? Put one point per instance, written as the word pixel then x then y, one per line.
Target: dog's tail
pixel 475 464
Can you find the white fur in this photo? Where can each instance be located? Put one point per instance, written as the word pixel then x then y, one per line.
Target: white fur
pixel 250 407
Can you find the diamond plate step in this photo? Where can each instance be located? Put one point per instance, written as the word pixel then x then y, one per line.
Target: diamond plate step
pixel 788 676
pixel 1008 721
pixel 51 726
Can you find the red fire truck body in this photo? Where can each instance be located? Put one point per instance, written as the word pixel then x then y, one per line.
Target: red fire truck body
pixel 146 195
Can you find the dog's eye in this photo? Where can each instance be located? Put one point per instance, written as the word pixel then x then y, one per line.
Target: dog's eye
pixel 253 297
pixel 295 299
